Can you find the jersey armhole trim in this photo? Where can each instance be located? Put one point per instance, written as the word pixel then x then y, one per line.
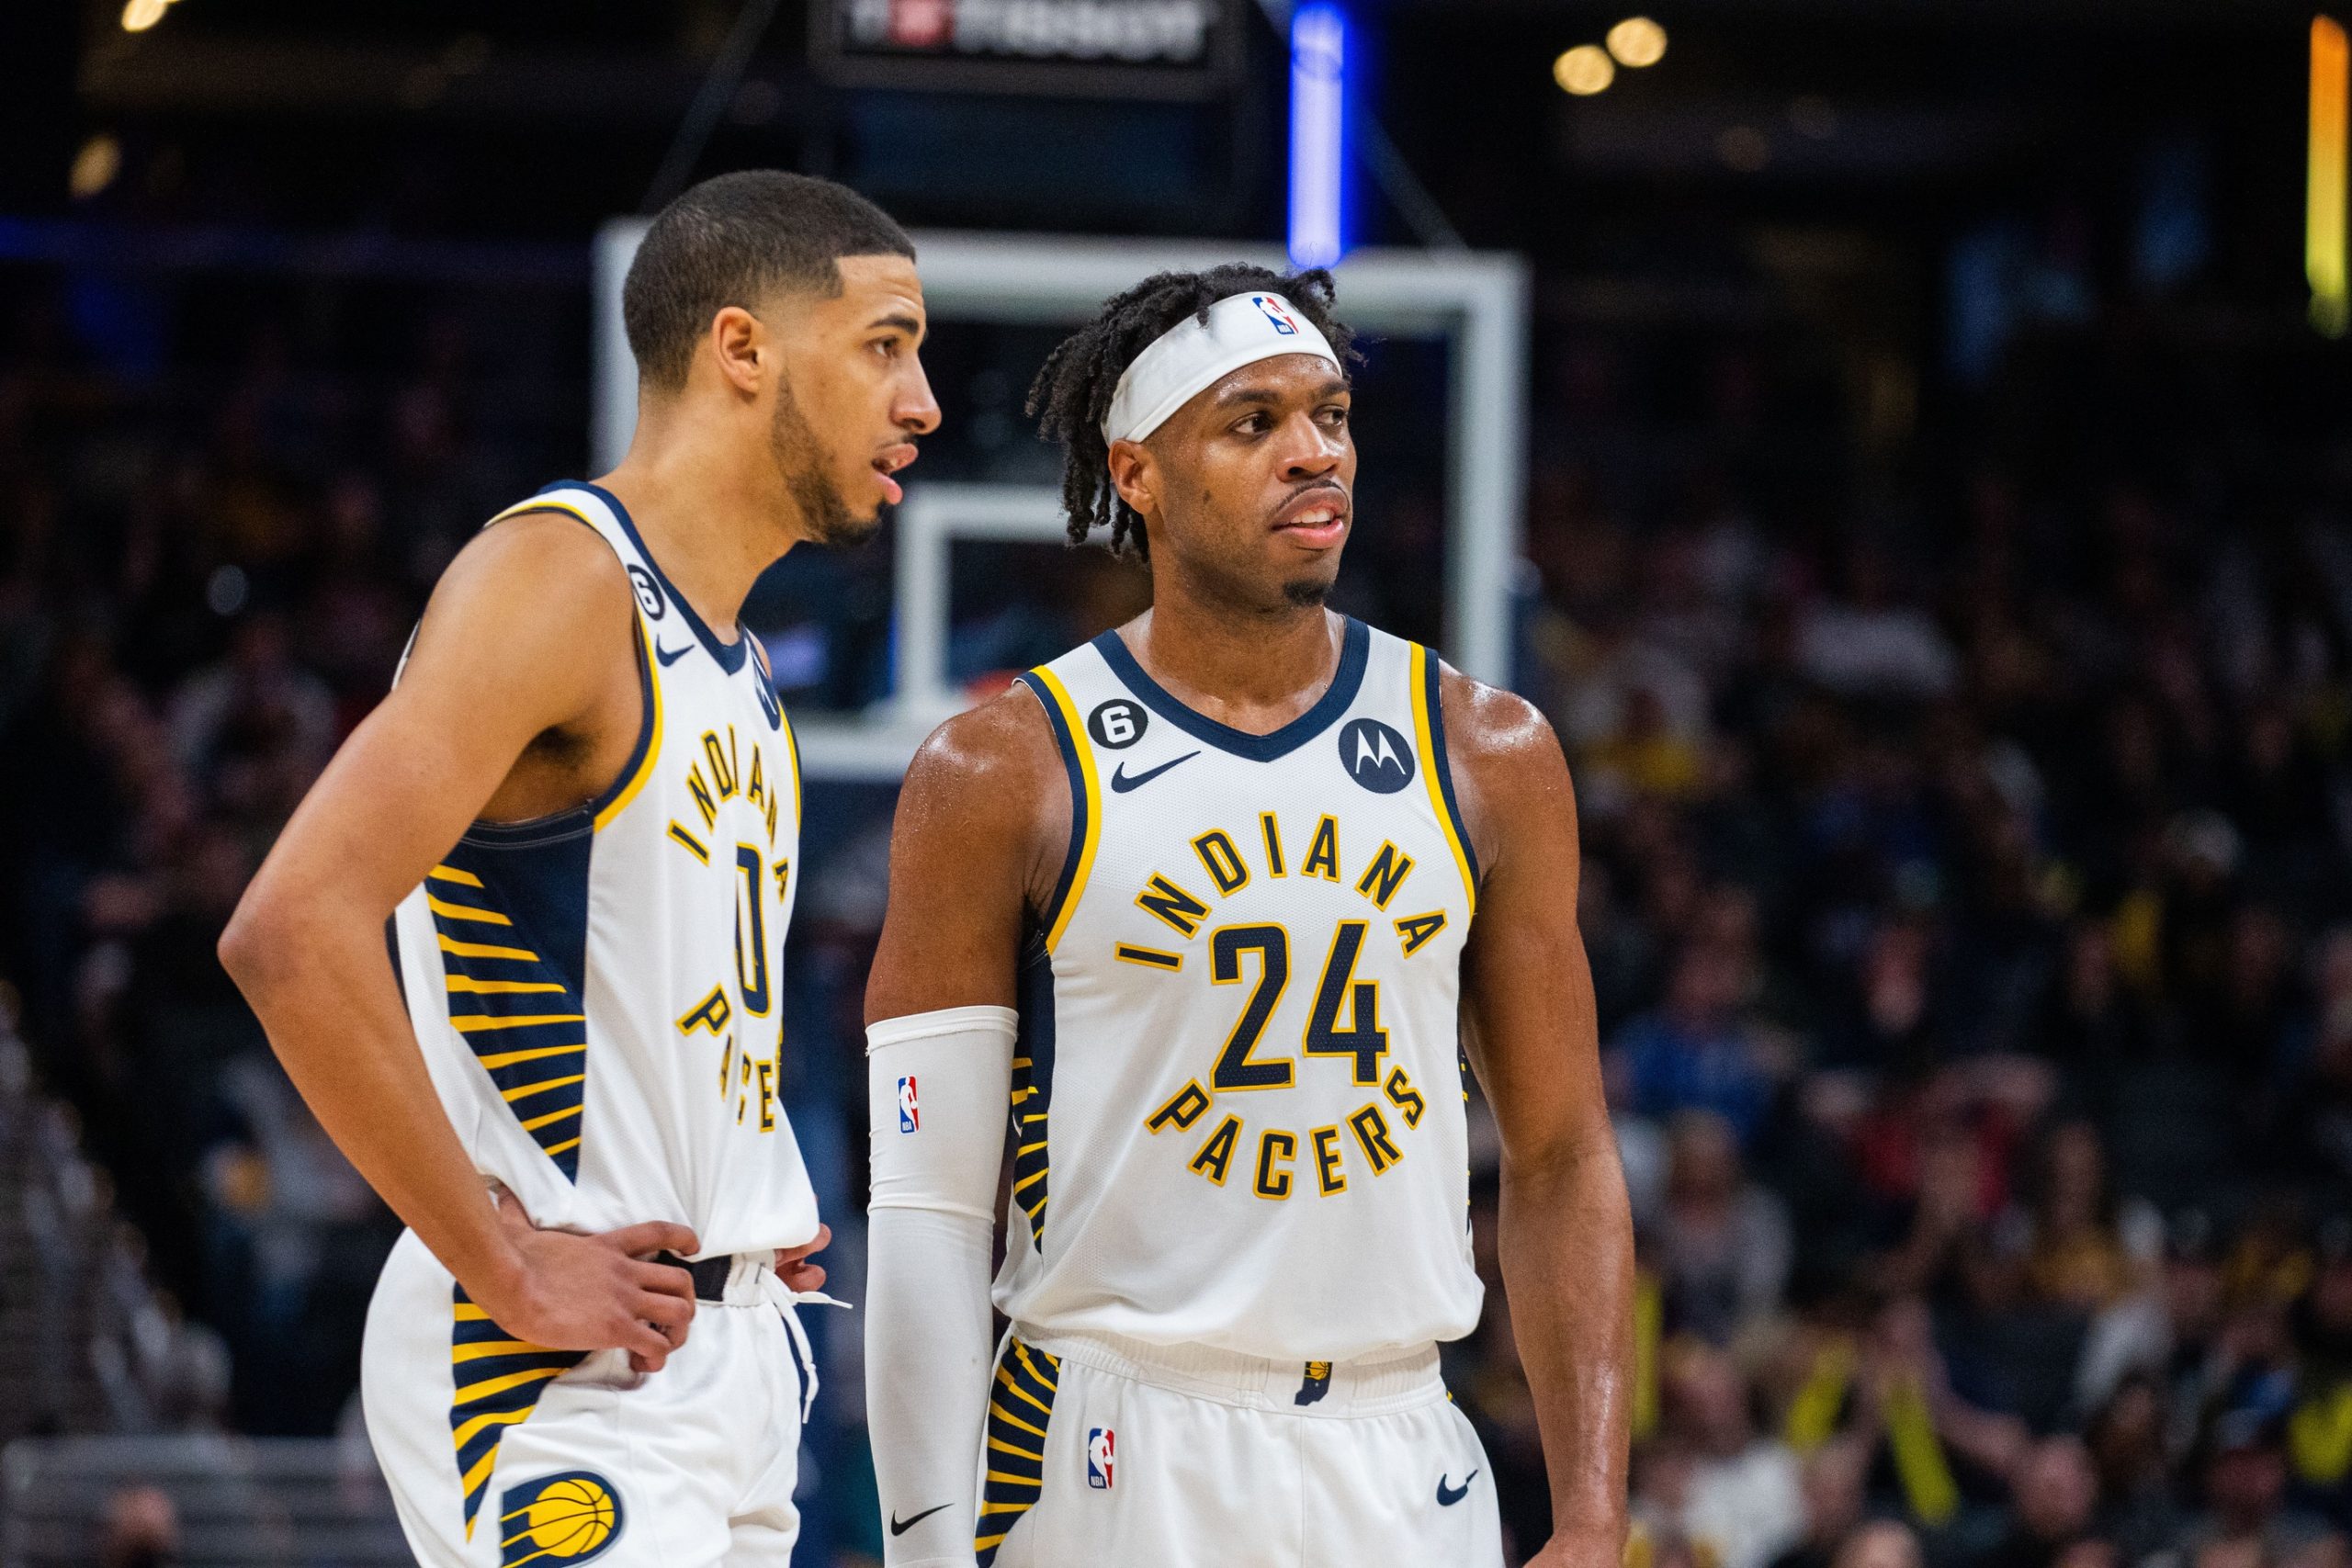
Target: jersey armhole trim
pixel 603 807
pixel 649 734
pixel 1429 725
pixel 1085 801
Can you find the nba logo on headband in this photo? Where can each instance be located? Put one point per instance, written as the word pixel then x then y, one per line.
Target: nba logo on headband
pixel 1275 313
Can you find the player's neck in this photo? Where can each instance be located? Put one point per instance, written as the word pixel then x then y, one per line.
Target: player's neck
pixel 1253 672
pixel 707 510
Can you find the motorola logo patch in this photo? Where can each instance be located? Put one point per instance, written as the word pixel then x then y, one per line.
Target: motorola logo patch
pixel 1375 756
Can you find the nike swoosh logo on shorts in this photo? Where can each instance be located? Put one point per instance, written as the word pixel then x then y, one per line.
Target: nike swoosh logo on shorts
pixel 1447 1497
pixel 1121 784
pixel 899 1526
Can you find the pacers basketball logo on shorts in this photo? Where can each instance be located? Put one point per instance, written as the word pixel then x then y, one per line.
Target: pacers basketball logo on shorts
pixel 910 1112
pixel 1098 1442
pixel 569 1518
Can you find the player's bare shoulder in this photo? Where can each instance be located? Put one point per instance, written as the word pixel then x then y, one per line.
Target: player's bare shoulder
pixel 1509 770
pixel 983 824
pixel 539 569
pixel 991 775
pixel 528 646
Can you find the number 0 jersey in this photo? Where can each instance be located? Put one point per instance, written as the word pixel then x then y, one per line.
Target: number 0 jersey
pixel 1237 1091
pixel 598 992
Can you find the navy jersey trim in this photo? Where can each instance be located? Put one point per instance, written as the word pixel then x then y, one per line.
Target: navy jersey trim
pixel 731 655
pixel 1355 648
pixel 1432 677
pixel 1067 744
pixel 648 721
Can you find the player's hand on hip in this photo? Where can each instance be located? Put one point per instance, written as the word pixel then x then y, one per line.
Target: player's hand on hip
pixel 594 1292
pixel 792 1265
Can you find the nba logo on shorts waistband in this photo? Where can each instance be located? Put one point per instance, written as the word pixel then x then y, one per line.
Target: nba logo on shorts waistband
pixel 1276 314
pixel 1098 1458
pixel 910 1112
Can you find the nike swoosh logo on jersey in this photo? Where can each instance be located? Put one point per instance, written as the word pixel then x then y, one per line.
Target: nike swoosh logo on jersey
pixel 1121 784
pixel 1447 1497
pixel 899 1526
pixel 668 657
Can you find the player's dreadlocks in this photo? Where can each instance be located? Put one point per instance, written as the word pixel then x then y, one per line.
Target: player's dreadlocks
pixel 1073 392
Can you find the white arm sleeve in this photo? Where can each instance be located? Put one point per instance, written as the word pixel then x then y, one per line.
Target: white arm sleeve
pixel 939 1087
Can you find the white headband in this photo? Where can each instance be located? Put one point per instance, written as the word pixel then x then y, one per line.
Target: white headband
pixel 1188 359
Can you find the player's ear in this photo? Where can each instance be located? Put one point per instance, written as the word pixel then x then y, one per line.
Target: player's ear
pixel 737 343
pixel 1135 474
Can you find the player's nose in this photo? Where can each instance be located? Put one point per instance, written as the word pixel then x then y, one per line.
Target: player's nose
pixel 918 411
pixel 1308 450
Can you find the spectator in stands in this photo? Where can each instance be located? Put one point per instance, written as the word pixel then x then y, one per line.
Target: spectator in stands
pixel 1698 1052
pixel 1722 1242
pixel 1833 1484
pixel 1882 1543
pixel 2246 1486
pixel 1739 1497
pixel 142 1530
pixel 2082 1247
pixel 2054 1495
pixel 2138 1508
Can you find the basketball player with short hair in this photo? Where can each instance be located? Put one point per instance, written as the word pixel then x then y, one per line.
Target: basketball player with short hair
pixel 1217 901
pixel 579 809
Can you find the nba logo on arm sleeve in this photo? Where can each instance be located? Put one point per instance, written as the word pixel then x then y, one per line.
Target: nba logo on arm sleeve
pixel 910 1110
pixel 1099 1440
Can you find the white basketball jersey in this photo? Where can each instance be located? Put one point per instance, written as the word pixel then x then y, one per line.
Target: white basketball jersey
pixel 598 992
pixel 1238 1088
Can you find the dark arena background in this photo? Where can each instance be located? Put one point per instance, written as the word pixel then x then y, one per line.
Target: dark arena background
pixel 1904 446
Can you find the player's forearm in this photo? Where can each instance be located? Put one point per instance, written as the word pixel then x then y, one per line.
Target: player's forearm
pixel 929 1360
pixel 937 1084
pixel 1567 1261
pixel 318 979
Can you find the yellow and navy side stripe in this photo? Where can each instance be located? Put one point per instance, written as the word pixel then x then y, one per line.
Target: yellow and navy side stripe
pixel 1032 1087
pixel 1085 801
pixel 498 1380
pixel 1429 734
pixel 511 996
pixel 1020 1406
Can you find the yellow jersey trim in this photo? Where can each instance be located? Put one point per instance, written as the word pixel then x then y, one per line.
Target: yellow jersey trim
pixel 1075 727
pixel 1425 735
pixel 627 793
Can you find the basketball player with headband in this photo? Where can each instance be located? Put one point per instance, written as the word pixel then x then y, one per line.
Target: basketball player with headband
pixel 1223 905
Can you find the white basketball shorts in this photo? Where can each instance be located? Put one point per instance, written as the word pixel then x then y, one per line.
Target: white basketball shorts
pixel 500 1453
pixel 1102 1450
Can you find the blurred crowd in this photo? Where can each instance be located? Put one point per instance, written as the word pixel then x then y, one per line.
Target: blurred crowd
pixel 1965 885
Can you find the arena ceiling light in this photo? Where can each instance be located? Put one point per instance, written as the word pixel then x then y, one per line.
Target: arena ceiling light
pixel 1318 83
pixel 2323 201
pixel 1636 42
pixel 138 15
pixel 1584 71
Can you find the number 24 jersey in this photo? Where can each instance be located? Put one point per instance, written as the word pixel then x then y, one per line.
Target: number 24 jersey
pixel 1238 1088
